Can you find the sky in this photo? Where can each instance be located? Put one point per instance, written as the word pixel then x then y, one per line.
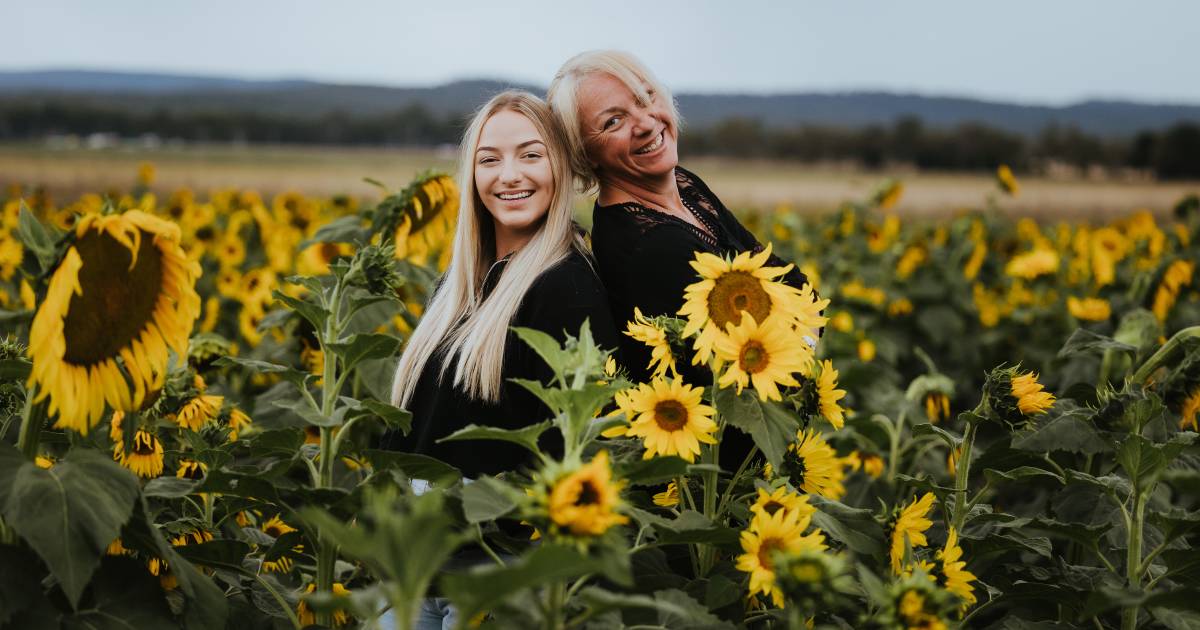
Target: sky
pixel 1052 52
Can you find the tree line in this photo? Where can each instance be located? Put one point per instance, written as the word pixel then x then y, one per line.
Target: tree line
pixel 1172 153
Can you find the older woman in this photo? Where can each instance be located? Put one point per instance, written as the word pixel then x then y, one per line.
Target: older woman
pixel 651 215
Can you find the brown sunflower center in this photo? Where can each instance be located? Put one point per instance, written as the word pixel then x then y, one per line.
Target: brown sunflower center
pixel 117 302
pixel 588 494
pixel 736 292
pixel 753 357
pixel 329 251
pixel 273 531
pixel 771 507
pixel 143 444
pixel 767 547
pixel 670 415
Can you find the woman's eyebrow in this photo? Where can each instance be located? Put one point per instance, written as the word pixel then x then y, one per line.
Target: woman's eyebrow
pixel 519 146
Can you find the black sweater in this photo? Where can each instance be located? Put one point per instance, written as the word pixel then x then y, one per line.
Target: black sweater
pixel 557 303
pixel 643 257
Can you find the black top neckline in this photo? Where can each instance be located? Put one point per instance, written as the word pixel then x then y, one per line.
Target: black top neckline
pixel 698 200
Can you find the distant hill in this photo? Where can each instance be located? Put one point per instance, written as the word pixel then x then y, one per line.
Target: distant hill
pixel 300 98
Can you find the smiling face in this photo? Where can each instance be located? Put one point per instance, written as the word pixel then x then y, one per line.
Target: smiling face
pixel 623 138
pixel 513 177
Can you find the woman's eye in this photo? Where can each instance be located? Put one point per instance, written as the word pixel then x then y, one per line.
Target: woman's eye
pixel 611 122
pixel 531 156
pixel 487 160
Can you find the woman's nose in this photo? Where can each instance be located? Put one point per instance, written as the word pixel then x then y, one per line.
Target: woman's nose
pixel 509 173
pixel 643 122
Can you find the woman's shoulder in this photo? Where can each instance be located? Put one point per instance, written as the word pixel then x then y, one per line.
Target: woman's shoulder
pixel 573 271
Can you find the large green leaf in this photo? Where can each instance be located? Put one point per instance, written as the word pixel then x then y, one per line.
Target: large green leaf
pixel 770 425
pixel 298 378
pixel 693 527
pixel 854 527
pixel 347 229
pixel 1068 432
pixel 1084 340
pixel 525 436
pixel 20 583
pixel 392 416
pixel 546 346
pixel 15 369
pixel 316 314
pixel 68 513
pixel 1143 461
pixel 413 465
pixel 363 347
pixel 657 470
pixel 124 597
pixel 37 238
pixel 488 499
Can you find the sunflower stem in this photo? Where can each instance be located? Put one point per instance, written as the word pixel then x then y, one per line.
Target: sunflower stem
pixel 736 477
pixel 1160 357
pixel 326 549
pixel 1133 561
pixel 32 422
pixel 962 474
pixel 894 433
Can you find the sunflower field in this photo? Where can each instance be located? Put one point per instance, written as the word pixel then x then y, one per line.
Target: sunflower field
pixel 973 421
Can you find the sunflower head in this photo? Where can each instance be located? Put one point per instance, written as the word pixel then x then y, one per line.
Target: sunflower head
pixel 766 538
pixel 813 580
pixel 764 356
pixel 144 457
pixel 1014 396
pixel 813 466
pixel 670 418
pixel 121 297
pixel 668 498
pixel 584 502
pixel 906 529
pixel 307 617
pixel 953 575
pixel 657 333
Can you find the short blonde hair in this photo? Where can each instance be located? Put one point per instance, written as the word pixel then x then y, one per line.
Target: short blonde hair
pixel 564 102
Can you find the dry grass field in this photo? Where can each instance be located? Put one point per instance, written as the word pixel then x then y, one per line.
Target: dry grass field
pixel 744 184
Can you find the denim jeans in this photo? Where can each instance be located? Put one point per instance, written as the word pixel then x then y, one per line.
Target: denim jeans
pixel 436 614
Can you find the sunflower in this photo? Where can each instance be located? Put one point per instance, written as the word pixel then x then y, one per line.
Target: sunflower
pixel 1039 261
pixel 275 527
pixel 670 418
pixel 829 395
pixel 1177 276
pixel 669 497
pixel 872 465
pixel 1189 411
pixel 730 288
pixel 1030 397
pixel 866 350
pixel 913 614
pixel 782 498
pixel 813 466
pixel 124 290
pixel 238 421
pixel 585 501
pixel 908 529
pixel 1007 181
pixel 425 219
pixel 316 258
pixel 782 531
pixel 191 469
pixel 955 577
pixel 764 355
pixel 43 462
pixel 900 307
pixel 661 357
pixel 146 458
pixel 974 263
pixel 340 616
pixel 937 406
pixel 1090 309
pixel 198 412
pixel 914 256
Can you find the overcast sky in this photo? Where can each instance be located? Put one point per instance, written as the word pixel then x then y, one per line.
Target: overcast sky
pixel 1033 51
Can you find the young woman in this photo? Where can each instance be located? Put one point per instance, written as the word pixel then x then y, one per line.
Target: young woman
pixel 518 260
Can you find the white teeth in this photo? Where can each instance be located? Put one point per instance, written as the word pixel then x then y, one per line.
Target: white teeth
pixel 652 146
pixel 512 196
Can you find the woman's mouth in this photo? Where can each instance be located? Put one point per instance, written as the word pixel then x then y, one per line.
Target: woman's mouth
pixel 653 146
pixel 513 196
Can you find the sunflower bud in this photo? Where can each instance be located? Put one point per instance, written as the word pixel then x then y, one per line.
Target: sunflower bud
pixel 1014 396
pixel 374 269
pixel 811 579
pixel 1181 389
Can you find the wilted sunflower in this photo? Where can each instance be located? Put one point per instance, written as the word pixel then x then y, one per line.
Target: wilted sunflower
pixel 146 458
pixel 308 618
pixel 813 466
pixel 829 395
pixel 124 290
pixel 585 501
pixel 937 406
pixel 1177 275
pixel 770 534
pixel 191 469
pixel 764 356
pixel 238 421
pixel 954 576
pixel 908 529
pixel 670 418
pixel 422 216
pixel 662 359
pixel 730 288
pixel 669 497
pixel 198 411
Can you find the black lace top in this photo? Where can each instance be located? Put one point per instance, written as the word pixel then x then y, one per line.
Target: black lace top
pixel 643 257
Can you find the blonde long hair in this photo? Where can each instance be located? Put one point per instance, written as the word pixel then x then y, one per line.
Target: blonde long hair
pixel 469 328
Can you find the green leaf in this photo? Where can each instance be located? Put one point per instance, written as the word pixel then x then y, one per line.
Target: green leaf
pixel 15 369
pixel 305 410
pixel 487 499
pixel 484 587
pixel 525 436
pixel 316 314
pixel 1174 522
pixel 215 553
pixel 124 597
pixel 546 346
pixel 1068 432
pixel 347 229
pixel 20 586
pixel 1020 473
pixel 414 466
pixel 392 416
pixel 771 427
pixel 693 527
pixel 38 238
pixel 677 609
pixel 296 377
pixel 647 472
pixel 1082 533
pixel 1142 462
pixel 1085 341
pixel 925 428
pixel 68 513
pixel 169 487
pixel 365 346
pixel 854 527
